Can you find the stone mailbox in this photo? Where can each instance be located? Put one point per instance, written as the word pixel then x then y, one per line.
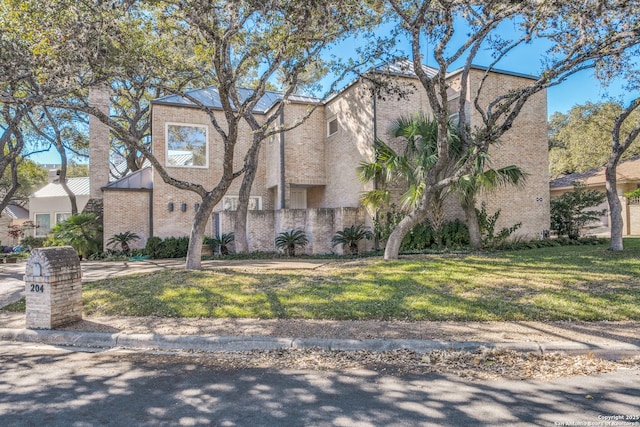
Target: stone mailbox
pixel 53 287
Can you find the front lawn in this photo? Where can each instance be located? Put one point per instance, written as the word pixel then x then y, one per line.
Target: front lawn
pixel 557 283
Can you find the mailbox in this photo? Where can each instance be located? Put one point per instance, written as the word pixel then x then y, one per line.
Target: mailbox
pixel 53 287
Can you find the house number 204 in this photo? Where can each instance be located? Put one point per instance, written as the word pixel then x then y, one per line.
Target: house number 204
pixel 37 288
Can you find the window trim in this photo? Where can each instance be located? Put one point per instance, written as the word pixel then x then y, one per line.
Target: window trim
pixel 232 196
pixel 329 121
pixel 166 144
pixel 35 221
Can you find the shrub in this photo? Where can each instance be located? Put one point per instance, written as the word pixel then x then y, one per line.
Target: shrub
pixel 572 211
pixel 153 248
pixel 287 241
pixel 123 240
pixel 487 225
pixel 32 242
pixel 350 236
pixel 221 243
pixel 83 232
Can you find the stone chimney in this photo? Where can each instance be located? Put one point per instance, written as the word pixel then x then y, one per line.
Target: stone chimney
pixel 99 142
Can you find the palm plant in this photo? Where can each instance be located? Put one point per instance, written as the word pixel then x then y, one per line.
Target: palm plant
pixel 123 240
pixel 81 231
pixel 289 240
pixel 221 243
pixel 350 236
pixel 410 168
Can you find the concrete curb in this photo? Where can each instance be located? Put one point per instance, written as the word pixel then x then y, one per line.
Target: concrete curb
pixel 222 343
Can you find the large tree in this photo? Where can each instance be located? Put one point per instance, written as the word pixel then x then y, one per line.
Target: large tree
pixel 579 35
pixel 581 139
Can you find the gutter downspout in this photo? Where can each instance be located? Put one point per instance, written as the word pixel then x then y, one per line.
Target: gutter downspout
pixel 282 163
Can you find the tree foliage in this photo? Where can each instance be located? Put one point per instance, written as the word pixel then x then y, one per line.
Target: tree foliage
pixel 580 140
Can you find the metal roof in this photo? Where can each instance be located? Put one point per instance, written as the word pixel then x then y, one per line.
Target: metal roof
pixel 142 178
pixel 16 212
pixel 78 186
pixel 404 68
pixel 210 97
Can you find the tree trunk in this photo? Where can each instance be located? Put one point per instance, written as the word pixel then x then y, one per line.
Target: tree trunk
pixel 615 207
pixel 475 237
pixel 194 253
pixel 240 227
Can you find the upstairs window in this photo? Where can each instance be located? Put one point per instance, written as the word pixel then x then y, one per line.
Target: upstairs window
pixel 332 126
pixel 187 145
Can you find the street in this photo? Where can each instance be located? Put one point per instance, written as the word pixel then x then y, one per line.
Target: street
pixel 49 386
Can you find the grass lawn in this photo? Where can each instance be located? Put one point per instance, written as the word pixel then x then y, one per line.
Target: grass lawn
pixel 558 283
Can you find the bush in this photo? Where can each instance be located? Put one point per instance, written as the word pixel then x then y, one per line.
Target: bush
pixel 83 232
pixel 32 242
pixel 171 247
pixel 572 211
pixel 487 225
pixel 287 241
pixel 221 243
pixel 350 236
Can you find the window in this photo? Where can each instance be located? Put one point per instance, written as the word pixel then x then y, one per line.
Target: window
pixel 230 203
pixel 332 127
pixel 62 217
pixel 43 224
pixel 187 145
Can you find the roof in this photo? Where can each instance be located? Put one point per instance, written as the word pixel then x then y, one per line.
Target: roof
pixel 627 171
pixel 403 68
pixel 142 178
pixel 78 186
pixel 16 212
pixel 210 97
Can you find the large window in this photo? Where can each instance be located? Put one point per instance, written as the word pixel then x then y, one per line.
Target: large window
pixel 187 145
pixel 43 224
pixel 230 203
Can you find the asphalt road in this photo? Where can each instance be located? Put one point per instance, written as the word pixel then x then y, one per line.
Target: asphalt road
pixel 47 386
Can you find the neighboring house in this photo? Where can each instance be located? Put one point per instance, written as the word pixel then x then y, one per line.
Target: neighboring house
pixel 307 176
pixel 50 205
pixel 12 215
pixel 628 179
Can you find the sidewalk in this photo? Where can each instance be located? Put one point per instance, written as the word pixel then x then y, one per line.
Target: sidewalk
pixel 605 339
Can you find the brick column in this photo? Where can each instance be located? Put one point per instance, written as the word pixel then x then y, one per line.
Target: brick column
pixel 99 142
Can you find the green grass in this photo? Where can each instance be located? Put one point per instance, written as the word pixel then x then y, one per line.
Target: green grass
pixel 557 283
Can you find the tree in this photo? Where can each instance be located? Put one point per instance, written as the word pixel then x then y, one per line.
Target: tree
pixel 573 210
pixel 31 176
pixel 580 35
pixel 621 142
pixel 581 139
pixel 420 154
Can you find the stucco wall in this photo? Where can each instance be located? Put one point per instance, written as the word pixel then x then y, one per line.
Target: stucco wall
pixel 52 206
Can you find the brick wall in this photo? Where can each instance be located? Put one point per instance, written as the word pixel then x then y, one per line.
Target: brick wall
pixel 128 211
pixel 99 142
pixel 524 145
pixel 319 225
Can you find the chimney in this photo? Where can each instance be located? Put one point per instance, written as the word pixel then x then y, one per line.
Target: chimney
pixel 99 142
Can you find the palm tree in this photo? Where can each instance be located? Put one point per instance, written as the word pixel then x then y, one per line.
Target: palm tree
pixel 288 240
pixel 350 236
pixel 420 155
pixel 123 240
pixel 81 231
